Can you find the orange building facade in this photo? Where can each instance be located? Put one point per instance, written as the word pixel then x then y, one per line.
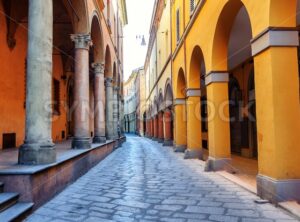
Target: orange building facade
pixel 101 23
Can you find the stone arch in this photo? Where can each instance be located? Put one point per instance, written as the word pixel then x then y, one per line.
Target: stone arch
pixel 149 112
pixel 160 100
pixel 222 34
pixel 197 68
pixel 180 85
pixel 168 94
pixel 80 16
pixel 97 38
pixel 108 72
pixel 115 73
pixel 155 106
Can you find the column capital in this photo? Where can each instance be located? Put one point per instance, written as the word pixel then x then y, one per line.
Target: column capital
pixel 216 77
pixel 98 68
pixel 82 41
pixel 108 82
pixel 274 37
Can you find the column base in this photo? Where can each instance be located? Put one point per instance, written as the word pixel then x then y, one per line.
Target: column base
pixel 278 190
pixel 37 154
pixel 99 139
pixel 179 149
pixel 160 140
pixel 81 143
pixel 168 143
pixel 193 154
pixel 110 137
pixel 213 164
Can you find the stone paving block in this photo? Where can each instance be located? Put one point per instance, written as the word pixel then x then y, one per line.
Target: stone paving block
pixel 168 207
pixel 131 203
pixel 129 209
pixel 205 210
pixel 182 202
pixel 146 182
pixel 243 213
pixel 222 218
pixel 190 215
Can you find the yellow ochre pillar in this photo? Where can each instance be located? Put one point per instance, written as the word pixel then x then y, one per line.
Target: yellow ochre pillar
pixel 218 121
pixel 194 132
pixel 278 114
pixel 180 125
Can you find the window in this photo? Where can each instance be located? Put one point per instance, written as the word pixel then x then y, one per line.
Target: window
pixel 192 6
pixel 177 25
pixel 56 97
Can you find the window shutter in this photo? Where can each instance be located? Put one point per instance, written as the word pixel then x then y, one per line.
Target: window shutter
pixel 192 6
pixel 177 25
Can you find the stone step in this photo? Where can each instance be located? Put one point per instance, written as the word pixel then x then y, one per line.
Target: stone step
pixel 7 200
pixel 16 212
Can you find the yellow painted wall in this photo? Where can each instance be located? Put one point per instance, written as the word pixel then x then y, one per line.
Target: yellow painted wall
pixel 278 137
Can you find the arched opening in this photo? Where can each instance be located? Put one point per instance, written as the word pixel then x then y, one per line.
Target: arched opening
pixel 232 53
pixel 97 38
pixel 235 95
pixel 180 129
pixel 168 115
pixel 240 66
pixel 70 100
pixel 197 81
pixel 115 74
pixel 108 72
pixel 160 117
pixel 181 85
pixel 252 116
pixel 63 71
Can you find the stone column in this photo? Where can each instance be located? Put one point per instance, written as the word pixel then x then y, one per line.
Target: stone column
pixel 115 111
pixel 109 109
pixel 120 112
pixel 81 138
pixel 218 124
pixel 180 137
pixel 277 114
pixel 38 147
pixel 160 128
pixel 194 131
pixel 155 135
pixel 151 127
pixel 167 128
pixel 99 95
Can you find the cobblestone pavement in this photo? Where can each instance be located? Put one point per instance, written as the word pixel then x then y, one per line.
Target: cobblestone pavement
pixel 143 181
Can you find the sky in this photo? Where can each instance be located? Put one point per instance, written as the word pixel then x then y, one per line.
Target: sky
pixel 139 18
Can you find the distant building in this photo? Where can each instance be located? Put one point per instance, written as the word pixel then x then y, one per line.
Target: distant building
pixel 131 101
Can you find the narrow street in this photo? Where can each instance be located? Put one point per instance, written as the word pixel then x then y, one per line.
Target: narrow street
pixel 143 181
